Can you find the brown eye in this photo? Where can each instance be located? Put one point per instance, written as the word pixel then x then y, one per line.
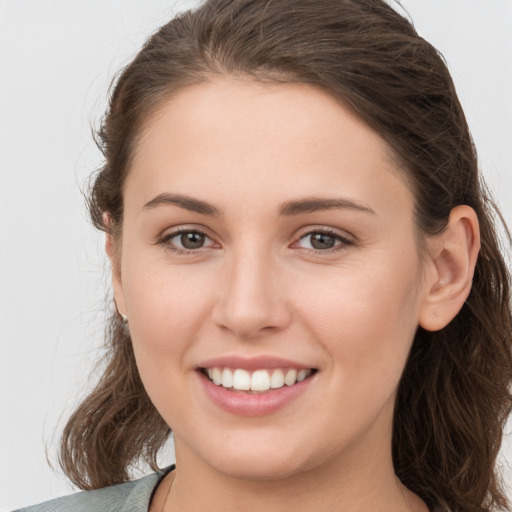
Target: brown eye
pixel 192 240
pixel 322 241
pixel 187 241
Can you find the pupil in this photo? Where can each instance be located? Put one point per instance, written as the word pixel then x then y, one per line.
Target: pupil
pixel 322 241
pixel 192 240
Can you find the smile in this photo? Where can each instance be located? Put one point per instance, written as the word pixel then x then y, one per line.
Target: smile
pixel 260 380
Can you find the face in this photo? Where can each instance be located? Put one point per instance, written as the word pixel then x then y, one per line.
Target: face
pixel 268 237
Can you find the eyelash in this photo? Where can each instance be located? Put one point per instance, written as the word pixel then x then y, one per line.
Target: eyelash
pixel 165 241
pixel 342 242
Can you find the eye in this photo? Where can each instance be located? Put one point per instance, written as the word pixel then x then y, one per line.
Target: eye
pixel 187 240
pixel 322 241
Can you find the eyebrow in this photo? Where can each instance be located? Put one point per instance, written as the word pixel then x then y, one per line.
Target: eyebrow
pixel 316 204
pixel 185 202
pixel 289 208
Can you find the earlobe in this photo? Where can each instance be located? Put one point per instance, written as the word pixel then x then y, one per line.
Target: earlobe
pixel 111 250
pixel 109 247
pixel 453 258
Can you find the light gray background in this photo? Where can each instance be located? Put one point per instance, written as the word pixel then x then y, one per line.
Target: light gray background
pixel 57 58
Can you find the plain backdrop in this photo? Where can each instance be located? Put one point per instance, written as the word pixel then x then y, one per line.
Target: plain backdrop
pixel 57 58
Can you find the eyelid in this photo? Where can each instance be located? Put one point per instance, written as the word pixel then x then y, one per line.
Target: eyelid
pixel 180 228
pixel 345 238
pixel 171 232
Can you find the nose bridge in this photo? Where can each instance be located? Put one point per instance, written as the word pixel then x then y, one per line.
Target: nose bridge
pixel 250 300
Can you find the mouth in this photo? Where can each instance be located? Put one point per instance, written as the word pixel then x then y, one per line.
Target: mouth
pixel 256 381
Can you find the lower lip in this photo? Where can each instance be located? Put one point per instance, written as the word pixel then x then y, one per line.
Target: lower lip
pixel 253 404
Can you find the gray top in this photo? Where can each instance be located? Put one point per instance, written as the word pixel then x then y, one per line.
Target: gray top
pixel 128 497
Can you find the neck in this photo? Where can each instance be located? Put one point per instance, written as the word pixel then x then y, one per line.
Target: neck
pixel 357 484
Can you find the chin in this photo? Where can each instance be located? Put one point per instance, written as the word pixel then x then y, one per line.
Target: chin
pixel 259 464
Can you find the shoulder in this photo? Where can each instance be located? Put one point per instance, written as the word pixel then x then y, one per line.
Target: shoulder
pixel 127 497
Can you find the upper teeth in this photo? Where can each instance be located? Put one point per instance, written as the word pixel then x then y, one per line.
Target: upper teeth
pixel 259 380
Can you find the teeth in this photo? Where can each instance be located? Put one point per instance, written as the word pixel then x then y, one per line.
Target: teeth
pixel 227 379
pixel 291 377
pixel 217 377
pixel 241 380
pixel 259 380
pixel 301 375
pixel 277 379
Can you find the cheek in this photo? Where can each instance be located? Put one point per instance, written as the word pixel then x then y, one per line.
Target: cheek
pixel 365 318
pixel 167 309
pixel 167 306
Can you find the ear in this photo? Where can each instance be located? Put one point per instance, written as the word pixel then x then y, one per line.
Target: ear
pixel 113 253
pixel 449 277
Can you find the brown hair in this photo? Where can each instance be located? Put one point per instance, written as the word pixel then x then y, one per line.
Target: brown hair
pixel 453 397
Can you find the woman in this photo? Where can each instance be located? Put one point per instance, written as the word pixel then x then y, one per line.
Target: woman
pixel 308 286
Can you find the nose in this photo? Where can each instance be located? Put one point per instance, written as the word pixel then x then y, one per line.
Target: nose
pixel 251 301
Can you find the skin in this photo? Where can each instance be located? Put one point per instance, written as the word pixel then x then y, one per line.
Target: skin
pixel 257 287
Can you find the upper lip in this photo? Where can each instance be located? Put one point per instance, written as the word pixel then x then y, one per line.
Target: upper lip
pixel 252 363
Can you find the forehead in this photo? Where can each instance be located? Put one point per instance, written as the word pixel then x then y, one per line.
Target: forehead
pixel 240 135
